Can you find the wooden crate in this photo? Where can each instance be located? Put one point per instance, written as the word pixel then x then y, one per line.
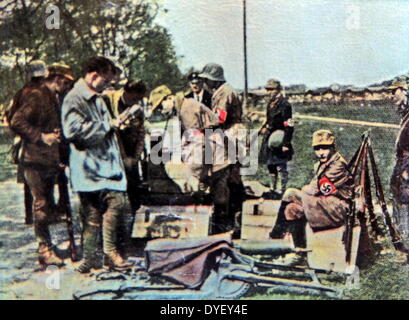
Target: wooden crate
pixel 172 221
pixel 328 251
pixel 258 218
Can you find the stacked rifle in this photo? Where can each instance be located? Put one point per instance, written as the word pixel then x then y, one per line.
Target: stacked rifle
pixel 359 168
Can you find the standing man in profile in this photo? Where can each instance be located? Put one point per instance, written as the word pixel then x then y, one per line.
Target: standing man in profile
pixel 198 92
pixel 37 121
pixel 37 72
pixel 96 166
pixel 225 182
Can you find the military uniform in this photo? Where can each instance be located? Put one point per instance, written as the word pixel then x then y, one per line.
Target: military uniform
pixel 400 179
pixel 279 119
pixel 326 200
pixel 324 203
pixel 225 182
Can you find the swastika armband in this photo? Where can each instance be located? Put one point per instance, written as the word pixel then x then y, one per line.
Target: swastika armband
pixel 221 115
pixel 289 123
pixel 326 186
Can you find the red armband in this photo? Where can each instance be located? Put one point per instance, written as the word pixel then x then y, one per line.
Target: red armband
pixel 289 123
pixel 222 115
pixel 326 186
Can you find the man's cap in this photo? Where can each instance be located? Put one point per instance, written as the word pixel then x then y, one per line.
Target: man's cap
pixel 62 69
pixel 276 139
pixel 158 94
pixel 273 84
pixel 323 137
pixel 37 68
pixel 213 71
pixel 193 77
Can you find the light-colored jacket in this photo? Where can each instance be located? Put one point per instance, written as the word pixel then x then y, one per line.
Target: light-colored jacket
pixel 227 99
pixel 335 170
pixel 95 161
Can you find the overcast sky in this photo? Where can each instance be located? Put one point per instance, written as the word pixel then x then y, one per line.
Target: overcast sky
pixel 316 42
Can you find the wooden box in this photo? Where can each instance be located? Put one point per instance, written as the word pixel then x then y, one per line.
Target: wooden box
pixel 328 250
pixel 258 218
pixel 172 221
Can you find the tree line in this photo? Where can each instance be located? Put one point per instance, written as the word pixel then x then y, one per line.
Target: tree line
pixel 123 29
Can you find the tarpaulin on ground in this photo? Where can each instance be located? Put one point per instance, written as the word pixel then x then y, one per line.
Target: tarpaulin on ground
pixel 187 261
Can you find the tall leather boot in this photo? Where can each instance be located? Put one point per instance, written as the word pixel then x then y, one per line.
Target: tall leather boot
pixel 297 230
pixel 89 247
pixel 114 260
pixel 281 226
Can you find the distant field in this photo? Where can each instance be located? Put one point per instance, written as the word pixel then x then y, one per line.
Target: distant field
pixel 365 112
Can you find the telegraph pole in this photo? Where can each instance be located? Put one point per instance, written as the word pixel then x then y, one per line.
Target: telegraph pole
pixel 245 50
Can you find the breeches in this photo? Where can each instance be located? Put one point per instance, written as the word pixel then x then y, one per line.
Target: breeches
pixel 41 184
pixel 97 204
pixel 321 212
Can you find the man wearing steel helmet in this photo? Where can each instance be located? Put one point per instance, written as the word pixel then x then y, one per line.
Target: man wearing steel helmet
pixel 225 182
pixel 277 152
pixel 325 201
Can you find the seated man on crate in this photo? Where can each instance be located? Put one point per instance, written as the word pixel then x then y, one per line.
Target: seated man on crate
pixel 324 202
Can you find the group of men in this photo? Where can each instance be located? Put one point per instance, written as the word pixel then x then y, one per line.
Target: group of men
pixel 79 125
pixel 62 124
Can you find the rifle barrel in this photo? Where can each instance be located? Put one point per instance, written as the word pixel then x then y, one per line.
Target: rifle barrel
pixel 393 231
